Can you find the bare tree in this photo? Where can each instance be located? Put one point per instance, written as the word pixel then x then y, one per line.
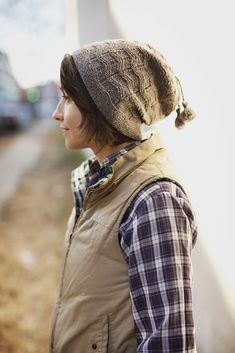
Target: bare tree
pixel 29 15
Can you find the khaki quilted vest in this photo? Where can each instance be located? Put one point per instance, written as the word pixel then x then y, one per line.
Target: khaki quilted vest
pixel 93 312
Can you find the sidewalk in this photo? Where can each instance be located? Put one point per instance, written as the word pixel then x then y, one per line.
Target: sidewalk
pixel 17 158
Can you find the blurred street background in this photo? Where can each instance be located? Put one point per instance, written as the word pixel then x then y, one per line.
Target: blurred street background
pixel 35 195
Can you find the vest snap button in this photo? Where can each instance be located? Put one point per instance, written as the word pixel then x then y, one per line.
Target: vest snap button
pixel 94 346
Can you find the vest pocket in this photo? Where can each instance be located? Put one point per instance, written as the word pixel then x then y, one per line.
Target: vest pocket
pixel 100 336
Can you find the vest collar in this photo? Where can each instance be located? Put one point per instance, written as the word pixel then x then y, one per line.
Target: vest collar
pixel 124 166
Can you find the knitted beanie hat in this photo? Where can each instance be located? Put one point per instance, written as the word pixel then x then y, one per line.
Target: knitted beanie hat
pixel 132 84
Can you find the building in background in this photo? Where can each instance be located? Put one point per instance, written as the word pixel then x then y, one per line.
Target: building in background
pixel 19 106
pixel 44 99
pixel 13 110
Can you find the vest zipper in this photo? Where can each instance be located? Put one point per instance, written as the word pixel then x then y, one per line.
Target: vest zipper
pixel 87 193
pixel 60 290
pixel 63 272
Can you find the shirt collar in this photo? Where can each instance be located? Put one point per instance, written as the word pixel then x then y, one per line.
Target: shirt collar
pixel 90 174
pixel 98 172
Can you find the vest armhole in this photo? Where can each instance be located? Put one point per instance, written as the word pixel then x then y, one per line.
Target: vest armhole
pixel 172 181
pixel 129 202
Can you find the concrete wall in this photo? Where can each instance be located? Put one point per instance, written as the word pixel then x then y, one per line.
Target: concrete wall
pixel 214 318
pixel 95 21
pixel 89 21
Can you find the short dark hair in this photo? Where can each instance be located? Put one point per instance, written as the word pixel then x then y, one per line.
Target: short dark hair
pixel 93 121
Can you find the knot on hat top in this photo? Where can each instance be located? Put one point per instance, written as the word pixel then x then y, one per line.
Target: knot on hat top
pixel 131 83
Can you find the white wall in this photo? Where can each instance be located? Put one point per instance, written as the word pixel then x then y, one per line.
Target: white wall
pixel 197 37
pixel 95 21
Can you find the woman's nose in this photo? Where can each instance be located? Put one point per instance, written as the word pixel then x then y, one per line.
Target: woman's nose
pixel 58 112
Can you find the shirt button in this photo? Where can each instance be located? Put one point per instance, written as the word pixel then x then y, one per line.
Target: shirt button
pixel 94 346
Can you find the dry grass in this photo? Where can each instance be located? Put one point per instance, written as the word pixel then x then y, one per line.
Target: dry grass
pixel 32 230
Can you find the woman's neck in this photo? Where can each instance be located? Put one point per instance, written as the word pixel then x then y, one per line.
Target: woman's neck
pixel 105 151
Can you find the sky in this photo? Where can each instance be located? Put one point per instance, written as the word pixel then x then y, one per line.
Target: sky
pixel 32 33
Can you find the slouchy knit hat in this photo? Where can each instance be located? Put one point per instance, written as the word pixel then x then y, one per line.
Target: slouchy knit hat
pixel 132 84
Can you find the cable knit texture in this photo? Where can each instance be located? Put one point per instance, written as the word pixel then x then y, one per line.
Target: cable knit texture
pixel 130 82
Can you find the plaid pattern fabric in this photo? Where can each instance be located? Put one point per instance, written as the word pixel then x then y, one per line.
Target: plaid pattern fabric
pixel 157 235
pixel 90 175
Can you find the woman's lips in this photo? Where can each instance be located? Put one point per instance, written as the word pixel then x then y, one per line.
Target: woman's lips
pixel 64 130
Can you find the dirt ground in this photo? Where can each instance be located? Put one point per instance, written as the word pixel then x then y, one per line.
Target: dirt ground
pixel 32 229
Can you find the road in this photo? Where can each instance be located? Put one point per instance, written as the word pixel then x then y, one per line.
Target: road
pixel 21 155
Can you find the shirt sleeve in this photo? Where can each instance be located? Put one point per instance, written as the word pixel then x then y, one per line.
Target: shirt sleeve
pixel 157 235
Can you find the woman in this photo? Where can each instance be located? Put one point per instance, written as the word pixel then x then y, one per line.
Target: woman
pixel 126 284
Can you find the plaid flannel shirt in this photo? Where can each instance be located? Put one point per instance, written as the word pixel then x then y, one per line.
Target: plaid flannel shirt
pixel 157 234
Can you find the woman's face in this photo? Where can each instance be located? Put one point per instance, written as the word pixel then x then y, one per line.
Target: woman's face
pixel 69 118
